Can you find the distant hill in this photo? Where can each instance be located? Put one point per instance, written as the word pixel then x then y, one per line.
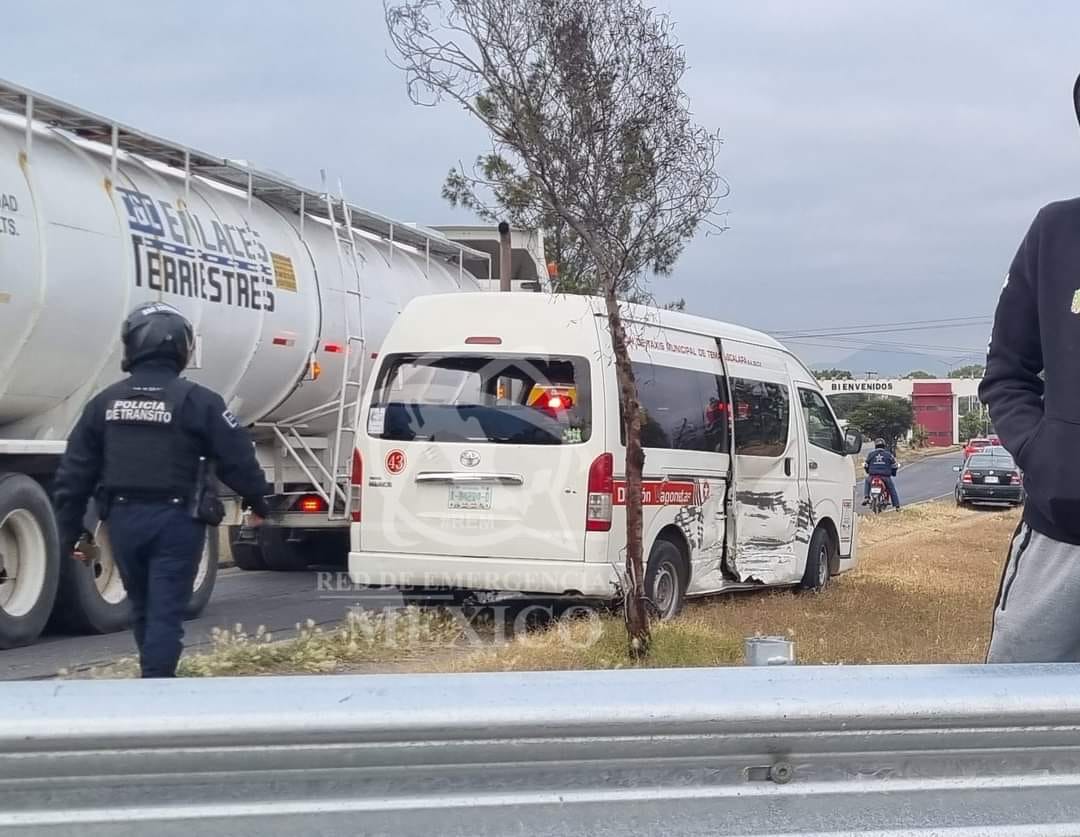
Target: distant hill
pixel 894 364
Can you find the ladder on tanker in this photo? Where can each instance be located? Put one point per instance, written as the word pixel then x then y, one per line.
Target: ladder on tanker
pixel 349 396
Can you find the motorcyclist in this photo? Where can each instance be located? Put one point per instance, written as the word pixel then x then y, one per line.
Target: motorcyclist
pixel 881 463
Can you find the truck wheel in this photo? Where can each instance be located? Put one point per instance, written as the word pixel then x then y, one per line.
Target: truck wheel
pixel 279 553
pixel 665 578
pixel 29 560
pixel 247 555
pixel 206 575
pixel 92 598
pixel 819 557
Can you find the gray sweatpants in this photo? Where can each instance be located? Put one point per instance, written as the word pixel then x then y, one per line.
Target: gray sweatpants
pixel 1037 615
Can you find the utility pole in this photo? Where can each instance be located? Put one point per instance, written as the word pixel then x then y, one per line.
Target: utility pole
pixel 504 256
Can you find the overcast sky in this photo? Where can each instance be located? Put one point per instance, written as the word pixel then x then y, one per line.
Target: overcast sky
pixel 884 158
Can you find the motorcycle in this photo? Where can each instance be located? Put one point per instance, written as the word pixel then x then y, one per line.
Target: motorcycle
pixel 879 495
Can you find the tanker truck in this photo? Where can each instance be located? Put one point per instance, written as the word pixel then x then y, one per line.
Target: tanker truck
pixel 290 291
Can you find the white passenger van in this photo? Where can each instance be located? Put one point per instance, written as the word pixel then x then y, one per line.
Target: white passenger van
pixel 490 455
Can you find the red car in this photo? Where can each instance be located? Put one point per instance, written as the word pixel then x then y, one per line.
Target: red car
pixel 975 445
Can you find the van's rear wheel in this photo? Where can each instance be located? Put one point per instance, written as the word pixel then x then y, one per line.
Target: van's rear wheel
pixel 819 558
pixel 29 560
pixel 665 578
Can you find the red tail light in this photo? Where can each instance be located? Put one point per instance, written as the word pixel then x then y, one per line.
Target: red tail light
pixel 966 476
pixel 357 481
pixel 1017 478
pixel 601 489
pixel 312 504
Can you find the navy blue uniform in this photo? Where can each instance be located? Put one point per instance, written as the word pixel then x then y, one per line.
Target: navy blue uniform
pixel 137 445
pixel 881 463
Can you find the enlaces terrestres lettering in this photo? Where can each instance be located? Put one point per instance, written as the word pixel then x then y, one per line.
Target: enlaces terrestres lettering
pixel 185 276
pixel 178 253
pixel 147 412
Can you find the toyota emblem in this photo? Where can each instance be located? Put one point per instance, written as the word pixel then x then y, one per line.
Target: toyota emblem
pixel 470 458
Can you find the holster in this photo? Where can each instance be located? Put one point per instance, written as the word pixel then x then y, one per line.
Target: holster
pixel 205 504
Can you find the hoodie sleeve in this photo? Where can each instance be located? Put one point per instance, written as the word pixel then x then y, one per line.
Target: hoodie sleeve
pixel 1011 386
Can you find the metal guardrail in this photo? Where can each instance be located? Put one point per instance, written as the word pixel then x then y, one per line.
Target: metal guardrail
pixel 768 751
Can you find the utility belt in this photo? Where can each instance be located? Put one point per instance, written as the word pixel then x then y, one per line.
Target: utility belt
pixel 202 504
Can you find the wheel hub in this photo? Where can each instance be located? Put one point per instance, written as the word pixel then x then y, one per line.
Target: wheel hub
pixel 106 574
pixel 23 559
pixel 664 589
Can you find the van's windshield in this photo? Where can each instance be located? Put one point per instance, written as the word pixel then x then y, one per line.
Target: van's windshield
pixel 499 398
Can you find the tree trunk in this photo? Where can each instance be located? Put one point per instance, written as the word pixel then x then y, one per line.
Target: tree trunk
pixel 637 620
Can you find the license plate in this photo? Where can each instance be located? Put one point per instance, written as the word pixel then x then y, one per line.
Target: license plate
pixel 991 480
pixel 875 490
pixel 470 498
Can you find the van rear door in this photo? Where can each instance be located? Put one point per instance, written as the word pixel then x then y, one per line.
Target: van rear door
pixel 482 453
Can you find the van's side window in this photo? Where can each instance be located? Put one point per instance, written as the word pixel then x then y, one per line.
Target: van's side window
pixel 762 416
pixel 684 409
pixel 821 428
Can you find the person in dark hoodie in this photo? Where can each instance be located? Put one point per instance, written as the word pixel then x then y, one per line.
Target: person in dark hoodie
pixel 1032 387
pixel 137 449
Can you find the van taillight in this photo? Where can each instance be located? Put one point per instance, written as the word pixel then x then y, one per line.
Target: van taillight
pixel 601 488
pixel 357 481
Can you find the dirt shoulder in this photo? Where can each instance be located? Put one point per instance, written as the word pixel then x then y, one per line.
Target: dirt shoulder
pixel 923 593
pixel 908 455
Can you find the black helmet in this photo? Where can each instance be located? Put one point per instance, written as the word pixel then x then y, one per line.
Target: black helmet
pixel 156 331
pixel 879 443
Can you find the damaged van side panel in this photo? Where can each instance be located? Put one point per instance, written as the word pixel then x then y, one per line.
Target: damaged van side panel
pixel 767 536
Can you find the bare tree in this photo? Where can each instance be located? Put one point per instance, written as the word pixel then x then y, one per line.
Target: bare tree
pixel 591 133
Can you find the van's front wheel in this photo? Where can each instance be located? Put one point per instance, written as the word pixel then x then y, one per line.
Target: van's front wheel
pixel 665 579
pixel 818 560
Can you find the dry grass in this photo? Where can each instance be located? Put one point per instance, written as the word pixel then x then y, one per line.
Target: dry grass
pixel 600 643
pixel 923 593
pixel 362 640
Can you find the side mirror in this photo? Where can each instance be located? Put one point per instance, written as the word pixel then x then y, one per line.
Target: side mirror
pixel 956 468
pixel 853 442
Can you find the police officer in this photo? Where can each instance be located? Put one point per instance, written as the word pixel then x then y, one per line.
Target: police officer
pixel 138 449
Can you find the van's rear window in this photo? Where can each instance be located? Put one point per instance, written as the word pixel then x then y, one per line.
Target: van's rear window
pixel 498 398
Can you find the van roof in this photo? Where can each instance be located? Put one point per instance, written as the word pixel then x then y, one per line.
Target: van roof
pixel 496 308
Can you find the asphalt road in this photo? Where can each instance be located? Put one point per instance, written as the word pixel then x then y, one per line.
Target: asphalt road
pixel 927 479
pixel 279 601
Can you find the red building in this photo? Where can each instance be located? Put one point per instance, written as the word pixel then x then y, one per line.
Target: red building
pixel 933 406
